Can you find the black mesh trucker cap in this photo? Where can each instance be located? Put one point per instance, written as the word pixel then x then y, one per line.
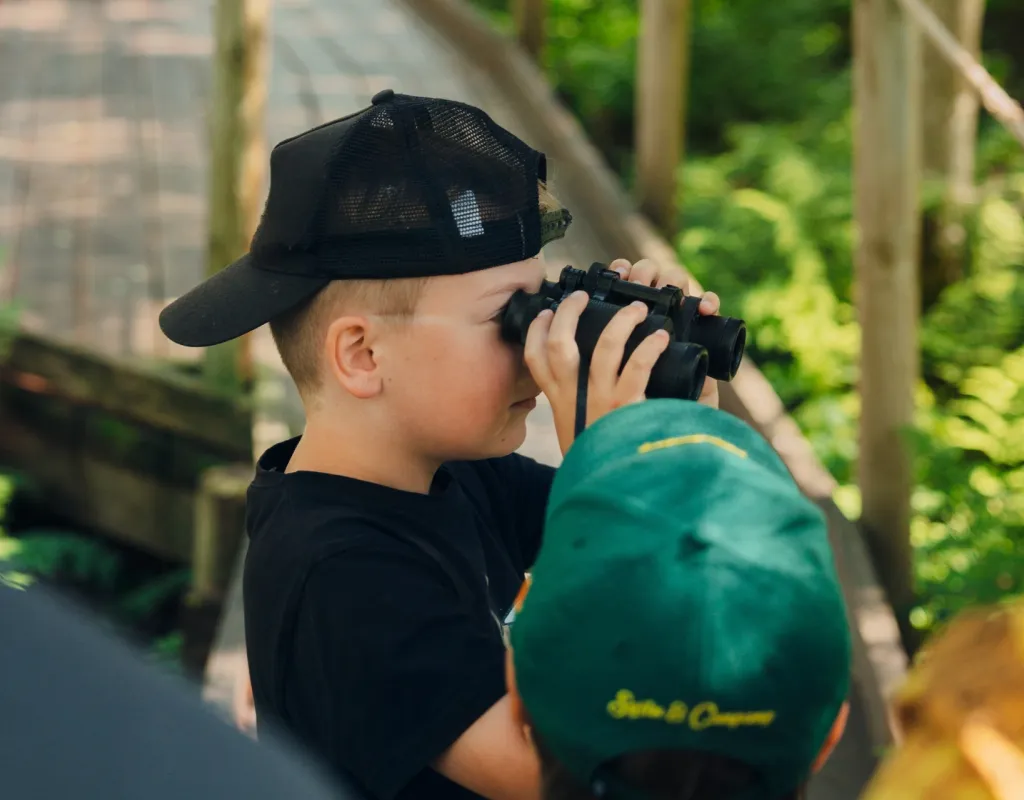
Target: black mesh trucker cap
pixel 408 187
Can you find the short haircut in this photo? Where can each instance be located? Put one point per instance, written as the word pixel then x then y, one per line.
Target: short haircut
pixel 658 775
pixel 299 333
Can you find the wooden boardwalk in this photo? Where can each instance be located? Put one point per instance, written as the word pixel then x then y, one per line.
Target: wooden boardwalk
pixel 103 149
pixel 103 143
pixel 103 177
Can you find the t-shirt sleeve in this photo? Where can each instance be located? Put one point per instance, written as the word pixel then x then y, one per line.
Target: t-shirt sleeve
pixel 390 666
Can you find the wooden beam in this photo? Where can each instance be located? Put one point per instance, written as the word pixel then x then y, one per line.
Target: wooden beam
pixel 663 61
pixel 1007 111
pixel 134 391
pixel 887 174
pixel 238 157
pixel 219 529
pixel 114 499
pixel 529 18
pixel 949 104
pixel 218 538
pixel 950 125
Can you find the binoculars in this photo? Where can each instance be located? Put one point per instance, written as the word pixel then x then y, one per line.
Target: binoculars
pixel 699 347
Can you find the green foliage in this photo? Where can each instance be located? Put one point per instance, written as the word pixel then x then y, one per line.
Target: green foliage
pixel 9 315
pixel 138 603
pixel 166 651
pixel 768 225
pixel 740 70
pixel 64 556
pixel 8 326
pixel 766 194
pixel 91 568
pixel 10 576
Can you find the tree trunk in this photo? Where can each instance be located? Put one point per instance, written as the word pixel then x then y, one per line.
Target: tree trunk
pixel 663 66
pixel 887 165
pixel 529 18
pixel 237 159
pixel 950 118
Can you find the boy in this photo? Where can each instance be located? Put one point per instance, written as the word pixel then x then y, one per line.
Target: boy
pixel 684 635
pixel 387 544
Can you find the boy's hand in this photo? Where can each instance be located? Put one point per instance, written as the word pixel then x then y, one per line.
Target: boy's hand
pixel 650 274
pixel 551 354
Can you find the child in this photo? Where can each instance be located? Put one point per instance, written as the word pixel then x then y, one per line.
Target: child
pixel 684 635
pixel 387 544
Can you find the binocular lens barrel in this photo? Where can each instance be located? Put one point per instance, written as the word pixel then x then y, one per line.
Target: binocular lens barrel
pixel 679 372
pixel 701 346
pixel 725 339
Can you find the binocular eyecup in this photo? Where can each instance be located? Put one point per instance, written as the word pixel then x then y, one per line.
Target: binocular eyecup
pixel 701 346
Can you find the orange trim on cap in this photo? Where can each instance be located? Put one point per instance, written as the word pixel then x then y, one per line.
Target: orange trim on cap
pixel 518 603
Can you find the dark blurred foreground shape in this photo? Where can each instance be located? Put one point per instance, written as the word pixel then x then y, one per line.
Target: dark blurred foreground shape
pixel 82 716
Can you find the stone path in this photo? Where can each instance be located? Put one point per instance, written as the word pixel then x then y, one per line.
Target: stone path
pixel 103 174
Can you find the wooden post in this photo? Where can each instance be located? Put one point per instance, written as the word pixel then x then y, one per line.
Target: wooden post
pixel 219 526
pixel 238 157
pixel 887 170
pixel 219 530
pixel 663 60
pixel 529 18
pixel 950 123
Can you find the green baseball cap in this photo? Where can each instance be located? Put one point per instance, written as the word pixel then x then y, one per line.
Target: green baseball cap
pixel 684 597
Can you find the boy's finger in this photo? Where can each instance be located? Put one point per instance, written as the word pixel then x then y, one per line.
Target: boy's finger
pixel 563 355
pixel 645 272
pixel 535 346
pixel 637 373
pixel 607 357
pixel 675 277
pixel 709 303
pixel 621 266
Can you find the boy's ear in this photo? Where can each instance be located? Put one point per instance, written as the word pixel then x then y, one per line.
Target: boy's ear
pixel 348 348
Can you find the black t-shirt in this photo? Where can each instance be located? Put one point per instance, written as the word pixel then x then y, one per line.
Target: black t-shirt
pixel 83 716
pixel 374 617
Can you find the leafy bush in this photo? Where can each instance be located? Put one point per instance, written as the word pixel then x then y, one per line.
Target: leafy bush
pixel 138 599
pixel 774 53
pixel 766 198
pixel 769 226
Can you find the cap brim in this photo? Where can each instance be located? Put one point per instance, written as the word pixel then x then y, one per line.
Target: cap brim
pixel 234 301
